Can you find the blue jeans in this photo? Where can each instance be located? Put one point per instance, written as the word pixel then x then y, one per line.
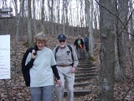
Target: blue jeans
pixel 42 93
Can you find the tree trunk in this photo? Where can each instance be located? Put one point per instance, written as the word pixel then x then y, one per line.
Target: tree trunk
pixel 107 51
pixel 34 18
pixel 63 17
pixel 42 17
pixel 22 29
pixel 90 26
pixel 96 14
pixel 51 14
pixel 30 36
pixel 122 39
pixel 17 35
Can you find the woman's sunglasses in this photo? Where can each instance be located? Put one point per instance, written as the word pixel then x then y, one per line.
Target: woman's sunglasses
pixel 62 41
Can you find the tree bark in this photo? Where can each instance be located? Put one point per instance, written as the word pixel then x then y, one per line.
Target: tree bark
pixel 89 13
pixel 42 17
pixel 30 35
pixel 122 39
pixel 107 51
pixel 34 18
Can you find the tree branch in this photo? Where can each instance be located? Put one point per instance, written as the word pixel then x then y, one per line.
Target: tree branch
pixel 110 12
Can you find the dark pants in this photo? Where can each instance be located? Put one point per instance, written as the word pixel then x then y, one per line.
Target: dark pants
pixel 80 53
pixel 87 47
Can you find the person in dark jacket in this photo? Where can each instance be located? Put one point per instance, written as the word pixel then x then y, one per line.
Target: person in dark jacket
pixel 86 43
pixel 79 44
pixel 38 66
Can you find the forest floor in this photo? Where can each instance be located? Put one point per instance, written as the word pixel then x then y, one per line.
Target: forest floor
pixel 15 89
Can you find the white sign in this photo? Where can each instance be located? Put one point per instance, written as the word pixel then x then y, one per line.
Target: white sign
pixel 4 56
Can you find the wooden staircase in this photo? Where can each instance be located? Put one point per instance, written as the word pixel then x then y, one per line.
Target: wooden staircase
pixel 85 72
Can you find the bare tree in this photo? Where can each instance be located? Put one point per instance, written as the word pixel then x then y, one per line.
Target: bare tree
pixel 22 19
pixel 34 18
pixel 51 15
pixel 131 20
pixel 17 33
pixel 96 18
pixel 42 17
pixel 66 15
pixel 107 51
pixel 30 35
pixel 63 16
pixel 89 12
pixel 122 39
pixel 58 12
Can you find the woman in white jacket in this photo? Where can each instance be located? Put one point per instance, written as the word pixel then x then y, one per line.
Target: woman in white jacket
pixel 42 65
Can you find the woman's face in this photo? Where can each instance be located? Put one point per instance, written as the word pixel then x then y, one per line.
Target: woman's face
pixel 40 44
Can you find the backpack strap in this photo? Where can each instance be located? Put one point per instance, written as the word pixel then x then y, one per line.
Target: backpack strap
pixel 56 50
pixel 70 48
pixel 71 51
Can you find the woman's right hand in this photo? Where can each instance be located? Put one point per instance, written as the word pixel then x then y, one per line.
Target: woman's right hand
pixel 33 54
pixel 59 82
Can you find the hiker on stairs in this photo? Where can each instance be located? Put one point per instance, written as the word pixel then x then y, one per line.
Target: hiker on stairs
pixel 67 62
pixel 79 44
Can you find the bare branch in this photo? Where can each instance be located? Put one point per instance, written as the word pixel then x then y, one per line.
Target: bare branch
pixel 110 12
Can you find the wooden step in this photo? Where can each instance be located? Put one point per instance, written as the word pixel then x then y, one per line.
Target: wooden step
pixel 83 78
pixel 86 65
pixel 79 92
pixel 86 69
pixel 86 74
pixel 83 71
pixel 85 62
pixel 82 84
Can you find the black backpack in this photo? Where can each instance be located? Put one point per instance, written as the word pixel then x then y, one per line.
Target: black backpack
pixel 70 48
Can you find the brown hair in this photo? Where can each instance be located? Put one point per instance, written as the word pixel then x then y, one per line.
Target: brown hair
pixel 40 37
